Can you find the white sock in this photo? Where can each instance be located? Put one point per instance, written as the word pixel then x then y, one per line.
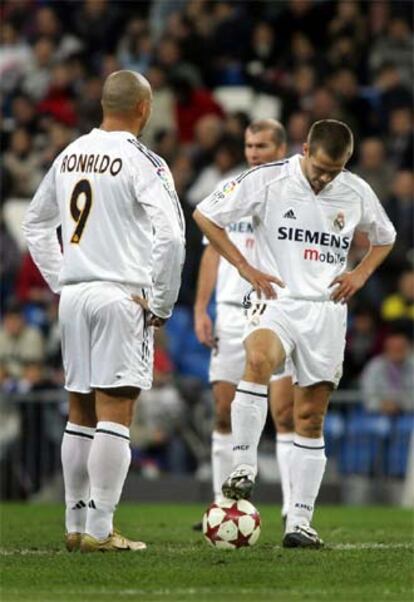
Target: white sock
pixel 284 449
pixel 307 466
pixel 76 445
pixel 248 417
pixel 108 465
pixel 221 461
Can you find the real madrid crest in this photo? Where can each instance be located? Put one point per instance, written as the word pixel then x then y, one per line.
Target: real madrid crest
pixel 339 221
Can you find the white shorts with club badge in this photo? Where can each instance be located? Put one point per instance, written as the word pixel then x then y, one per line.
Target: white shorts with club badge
pixel 311 332
pixel 228 359
pixel 105 340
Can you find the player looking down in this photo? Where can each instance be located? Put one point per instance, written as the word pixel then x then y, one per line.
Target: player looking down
pixel 118 276
pixel 265 141
pixel 305 211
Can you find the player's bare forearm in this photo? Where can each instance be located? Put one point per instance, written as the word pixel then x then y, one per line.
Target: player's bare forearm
pixel 219 239
pixel 207 278
pixel 350 282
pixel 206 282
pixel 261 282
pixel 373 259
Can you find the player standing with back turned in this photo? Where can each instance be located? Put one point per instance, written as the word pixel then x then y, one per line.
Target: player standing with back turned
pixel 305 213
pixel 265 142
pixel 119 276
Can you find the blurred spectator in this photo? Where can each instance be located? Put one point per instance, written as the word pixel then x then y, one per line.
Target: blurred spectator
pixel 190 105
pixel 163 116
pixel 388 380
pixel 135 49
pixel 36 82
pixel 236 123
pixel 227 162
pixel 305 16
pixel 348 21
pixel 356 109
pixel 22 164
pixel 58 101
pixel 207 133
pixel 324 105
pixel 400 138
pixel 400 305
pixel 378 17
pixel 30 285
pixel 9 263
pixel 262 57
pixel 400 209
pixel 19 343
pixel 170 57
pixel 395 47
pixel 364 341
pixel 15 56
pixel 228 47
pixel 24 114
pixel 343 53
pixel 297 130
pixel 59 136
pixel 392 93
pixel 47 24
pixel 95 23
pixel 159 414
pixel 374 168
pixel 88 106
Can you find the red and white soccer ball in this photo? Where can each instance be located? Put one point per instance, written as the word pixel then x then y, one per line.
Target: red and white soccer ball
pixel 231 524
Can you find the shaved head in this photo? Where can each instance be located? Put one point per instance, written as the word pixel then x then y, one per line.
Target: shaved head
pixel 123 90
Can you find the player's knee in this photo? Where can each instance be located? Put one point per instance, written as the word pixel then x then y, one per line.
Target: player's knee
pixel 309 423
pixel 259 364
pixel 284 420
pixel 222 423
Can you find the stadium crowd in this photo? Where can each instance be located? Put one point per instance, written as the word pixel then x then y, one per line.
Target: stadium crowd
pixel 213 67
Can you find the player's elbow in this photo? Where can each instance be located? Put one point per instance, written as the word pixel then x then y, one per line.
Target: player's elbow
pixel 198 218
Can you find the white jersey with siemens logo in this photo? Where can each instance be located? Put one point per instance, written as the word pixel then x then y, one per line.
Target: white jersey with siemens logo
pixel 302 238
pixel 120 215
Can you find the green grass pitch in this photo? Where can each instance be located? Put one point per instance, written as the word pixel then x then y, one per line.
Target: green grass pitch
pixel 368 557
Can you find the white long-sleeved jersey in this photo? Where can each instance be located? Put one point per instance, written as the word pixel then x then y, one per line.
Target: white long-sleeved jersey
pixel 120 215
pixel 302 238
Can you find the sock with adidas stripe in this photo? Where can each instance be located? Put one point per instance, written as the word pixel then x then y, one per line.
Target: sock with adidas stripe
pixel 76 445
pixel 108 465
pixel 307 467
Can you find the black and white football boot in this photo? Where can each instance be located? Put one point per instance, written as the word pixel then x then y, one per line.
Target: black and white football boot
pixel 302 536
pixel 239 485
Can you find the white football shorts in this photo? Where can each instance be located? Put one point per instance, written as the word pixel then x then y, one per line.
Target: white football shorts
pixel 311 332
pixel 227 361
pixel 105 341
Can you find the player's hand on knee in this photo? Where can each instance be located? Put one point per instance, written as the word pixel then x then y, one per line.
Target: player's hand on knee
pixel 346 286
pixel 203 327
pixel 261 282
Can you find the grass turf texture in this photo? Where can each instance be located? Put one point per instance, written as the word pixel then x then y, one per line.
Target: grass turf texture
pixel 369 556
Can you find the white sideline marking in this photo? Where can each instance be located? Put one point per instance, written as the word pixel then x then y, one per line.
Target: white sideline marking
pixel 372 546
pixel 339 546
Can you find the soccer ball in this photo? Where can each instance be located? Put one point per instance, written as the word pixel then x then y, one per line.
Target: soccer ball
pixel 231 524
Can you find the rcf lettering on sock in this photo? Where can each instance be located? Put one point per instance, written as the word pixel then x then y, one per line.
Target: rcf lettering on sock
pixel 241 447
pixel 304 506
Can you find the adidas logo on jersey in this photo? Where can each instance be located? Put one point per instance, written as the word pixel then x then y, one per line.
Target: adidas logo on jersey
pixel 290 214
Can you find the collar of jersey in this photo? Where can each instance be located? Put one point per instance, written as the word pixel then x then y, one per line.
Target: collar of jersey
pixel 298 171
pixel 115 132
